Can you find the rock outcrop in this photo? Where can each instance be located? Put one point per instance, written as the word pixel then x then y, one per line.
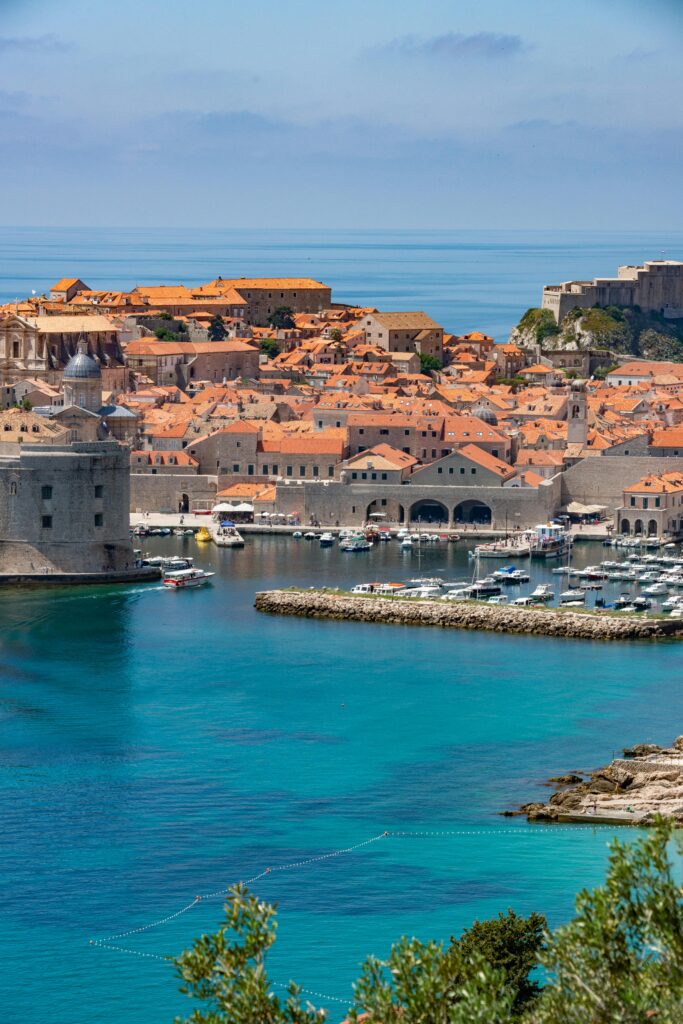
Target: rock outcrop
pixel 319 604
pixel 646 782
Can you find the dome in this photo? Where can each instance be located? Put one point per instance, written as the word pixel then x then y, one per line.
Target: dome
pixel 82 367
pixel 482 413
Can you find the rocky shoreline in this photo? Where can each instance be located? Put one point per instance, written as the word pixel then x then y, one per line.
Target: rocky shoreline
pixel 320 604
pixel 632 790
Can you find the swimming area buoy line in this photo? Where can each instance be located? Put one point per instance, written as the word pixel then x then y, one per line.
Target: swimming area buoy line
pixel 111 942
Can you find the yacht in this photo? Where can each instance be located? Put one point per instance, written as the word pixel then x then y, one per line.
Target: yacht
pixel 573 597
pixel 542 593
pixel 326 540
pixel 655 590
pixel 186 578
pixel 226 535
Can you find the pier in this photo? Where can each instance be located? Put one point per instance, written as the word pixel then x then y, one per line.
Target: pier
pixel 531 621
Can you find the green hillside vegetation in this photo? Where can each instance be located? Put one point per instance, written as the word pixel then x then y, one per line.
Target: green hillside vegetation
pixel 621 330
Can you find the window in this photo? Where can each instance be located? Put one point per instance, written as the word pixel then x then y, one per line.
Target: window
pixel 250 469
pixel 235 467
pixel 384 477
pixel 433 453
pixel 373 476
pixel 406 432
pixel 264 470
pixel 354 476
pixel 46 492
pixel 384 432
pixel 289 470
pixel 47 522
pixel 316 471
pixel 15 349
pixel 361 430
pixel 13 487
pixel 406 450
pixel 473 470
pixel 275 470
pixel 330 470
pixel 462 470
pixel 384 501
pixel 450 470
pixel 495 453
pixel 99 489
pixel 645 502
pixel 364 476
pixel 302 471
pixel 440 469
pixel 99 519
pixel 657 502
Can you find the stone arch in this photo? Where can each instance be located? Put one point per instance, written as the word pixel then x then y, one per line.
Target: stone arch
pixel 390 509
pixel 184 503
pixel 638 526
pixel 652 530
pixel 428 510
pixel 625 526
pixel 472 511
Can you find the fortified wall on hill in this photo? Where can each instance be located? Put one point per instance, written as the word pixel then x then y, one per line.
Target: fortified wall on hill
pixel 656 287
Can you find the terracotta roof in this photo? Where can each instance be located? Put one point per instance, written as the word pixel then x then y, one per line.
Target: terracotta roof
pixel 667 483
pixel 482 458
pixel 413 321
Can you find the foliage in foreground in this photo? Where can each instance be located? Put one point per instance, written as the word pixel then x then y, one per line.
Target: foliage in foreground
pixel 619 961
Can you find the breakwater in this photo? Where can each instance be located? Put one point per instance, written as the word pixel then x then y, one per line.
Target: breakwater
pixel 319 604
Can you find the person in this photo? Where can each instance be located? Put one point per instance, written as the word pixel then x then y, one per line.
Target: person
pixel 594 807
pixel 182 520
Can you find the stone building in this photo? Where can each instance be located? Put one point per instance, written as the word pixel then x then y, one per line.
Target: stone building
pixel 180 363
pixel 404 332
pixel 37 346
pixel 653 506
pixel 64 508
pixel 656 287
pixel 263 295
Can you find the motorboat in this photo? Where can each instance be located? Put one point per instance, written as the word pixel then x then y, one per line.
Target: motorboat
pixel 406 543
pixel 641 604
pixel 355 544
pixel 484 588
pixel 655 590
pixel 226 535
pixel 462 594
pixel 326 540
pixel 297 535
pixel 187 578
pixel 578 596
pixel 503 573
pixel 424 592
pixel 498 599
pixel 542 593
pixel 310 535
pixel 519 576
pixel 522 602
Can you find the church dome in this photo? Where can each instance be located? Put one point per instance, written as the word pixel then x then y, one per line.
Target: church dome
pixel 482 413
pixel 82 367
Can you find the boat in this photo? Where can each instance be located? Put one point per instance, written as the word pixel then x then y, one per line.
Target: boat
pixel 519 576
pixel 547 540
pixel 406 543
pixel 326 540
pixel 297 535
pixel 354 544
pixel 175 564
pixel 226 535
pixel 485 588
pixel 573 596
pixel 203 536
pixel 187 578
pixel 641 604
pixel 498 599
pixel 655 590
pixel 310 535
pixel 542 593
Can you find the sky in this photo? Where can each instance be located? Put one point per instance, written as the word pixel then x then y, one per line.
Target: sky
pixel 457 114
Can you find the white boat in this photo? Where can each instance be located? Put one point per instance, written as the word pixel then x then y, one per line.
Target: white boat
pixel 226 535
pixel 406 543
pixel 310 535
pixel 573 596
pixel 354 544
pixel 655 590
pixel 186 578
pixel 498 599
pixel 513 547
pixel 549 541
pixel 542 593
pixel 326 540
pixel 297 535
pixel 522 602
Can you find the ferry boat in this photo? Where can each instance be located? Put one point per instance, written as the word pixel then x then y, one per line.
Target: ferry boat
pixel 226 535
pixel 549 541
pixel 186 578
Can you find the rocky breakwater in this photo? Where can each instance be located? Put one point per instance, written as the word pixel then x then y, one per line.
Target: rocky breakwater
pixel 646 782
pixel 320 604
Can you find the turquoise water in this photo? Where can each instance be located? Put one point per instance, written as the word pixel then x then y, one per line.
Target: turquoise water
pixel 467 280
pixel 159 745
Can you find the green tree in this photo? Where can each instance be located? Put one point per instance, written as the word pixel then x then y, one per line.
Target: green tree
pixel 540 323
pixel 429 363
pixel 26 404
pixel 216 329
pixel 282 318
pixel 510 943
pixel 335 334
pixel 165 335
pixel 270 347
pixel 657 345
pixel 227 971
pixel 620 961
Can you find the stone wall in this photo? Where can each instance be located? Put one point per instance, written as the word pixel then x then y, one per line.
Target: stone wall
pixel 164 492
pixel 602 480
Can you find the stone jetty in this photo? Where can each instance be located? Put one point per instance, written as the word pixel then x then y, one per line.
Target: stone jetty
pixel 555 622
pixel 630 790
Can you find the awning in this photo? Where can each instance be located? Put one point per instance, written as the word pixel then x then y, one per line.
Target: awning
pixel 575 508
pixel 237 506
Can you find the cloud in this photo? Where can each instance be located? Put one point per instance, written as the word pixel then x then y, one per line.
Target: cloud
pixel 457 46
pixel 32 44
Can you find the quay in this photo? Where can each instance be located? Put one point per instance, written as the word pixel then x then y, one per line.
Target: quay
pixel 531 621
pixel 465 532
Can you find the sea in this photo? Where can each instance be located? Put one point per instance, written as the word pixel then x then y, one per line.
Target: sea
pixel 157 746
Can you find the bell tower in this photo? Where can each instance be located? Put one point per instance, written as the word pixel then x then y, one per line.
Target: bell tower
pixel 577 415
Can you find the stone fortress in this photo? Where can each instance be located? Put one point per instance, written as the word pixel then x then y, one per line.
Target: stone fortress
pixel 64 502
pixel 656 287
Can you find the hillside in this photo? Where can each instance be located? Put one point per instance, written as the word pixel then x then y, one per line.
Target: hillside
pixel 622 330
